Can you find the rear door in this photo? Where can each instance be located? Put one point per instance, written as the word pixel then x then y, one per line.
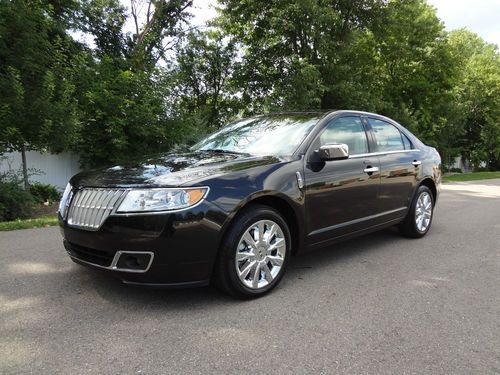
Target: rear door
pixel 399 167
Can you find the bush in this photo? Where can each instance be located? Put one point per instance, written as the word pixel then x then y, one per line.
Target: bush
pixel 44 192
pixel 455 170
pixel 15 203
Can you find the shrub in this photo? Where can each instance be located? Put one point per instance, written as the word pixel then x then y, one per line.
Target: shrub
pixel 15 203
pixel 44 192
pixel 455 170
pixel 481 169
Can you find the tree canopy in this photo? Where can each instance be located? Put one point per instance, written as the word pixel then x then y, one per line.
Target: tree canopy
pixel 113 80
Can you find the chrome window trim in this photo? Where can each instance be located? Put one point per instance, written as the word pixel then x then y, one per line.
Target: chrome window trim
pixel 114 262
pixel 380 153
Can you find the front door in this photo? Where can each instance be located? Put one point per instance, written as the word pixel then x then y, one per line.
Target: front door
pixel 341 195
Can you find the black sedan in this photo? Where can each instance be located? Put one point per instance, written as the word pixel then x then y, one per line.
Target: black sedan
pixel 236 206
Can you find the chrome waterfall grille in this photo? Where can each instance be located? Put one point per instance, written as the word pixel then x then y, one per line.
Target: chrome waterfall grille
pixel 89 208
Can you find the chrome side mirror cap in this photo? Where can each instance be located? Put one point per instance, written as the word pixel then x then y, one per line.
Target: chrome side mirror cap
pixel 335 151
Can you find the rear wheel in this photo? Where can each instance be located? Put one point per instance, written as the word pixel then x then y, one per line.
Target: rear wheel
pixel 419 218
pixel 254 254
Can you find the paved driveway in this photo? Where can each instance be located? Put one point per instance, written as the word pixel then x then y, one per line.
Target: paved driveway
pixel 380 304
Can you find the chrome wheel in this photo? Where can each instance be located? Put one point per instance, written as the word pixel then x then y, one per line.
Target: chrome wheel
pixel 423 211
pixel 260 254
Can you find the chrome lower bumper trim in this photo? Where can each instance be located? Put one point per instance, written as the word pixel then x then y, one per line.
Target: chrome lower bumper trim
pixel 114 267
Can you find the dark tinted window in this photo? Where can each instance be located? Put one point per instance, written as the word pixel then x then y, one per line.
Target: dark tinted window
pixel 348 130
pixel 387 135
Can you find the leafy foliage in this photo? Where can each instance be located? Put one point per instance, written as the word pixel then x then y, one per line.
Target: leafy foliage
pixel 391 57
pixel 203 76
pixel 477 94
pixel 44 192
pixel 124 115
pixel 121 93
pixel 15 203
pixel 38 109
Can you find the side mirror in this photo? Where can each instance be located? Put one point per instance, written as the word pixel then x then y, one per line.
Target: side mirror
pixel 336 151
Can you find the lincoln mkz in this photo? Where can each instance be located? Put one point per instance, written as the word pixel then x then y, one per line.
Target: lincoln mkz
pixel 236 206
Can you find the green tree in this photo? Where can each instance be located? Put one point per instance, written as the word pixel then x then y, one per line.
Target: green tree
pixel 390 57
pixel 38 109
pixel 295 52
pixel 164 21
pixel 123 94
pixel 203 73
pixel 124 115
pixel 477 96
pixel 415 68
pixel 103 20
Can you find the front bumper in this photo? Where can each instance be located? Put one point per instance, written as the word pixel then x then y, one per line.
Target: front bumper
pixel 181 246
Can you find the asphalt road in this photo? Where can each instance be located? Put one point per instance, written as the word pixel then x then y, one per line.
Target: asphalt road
pixel 380 304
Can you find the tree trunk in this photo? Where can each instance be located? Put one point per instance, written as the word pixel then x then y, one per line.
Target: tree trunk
pixel 25 169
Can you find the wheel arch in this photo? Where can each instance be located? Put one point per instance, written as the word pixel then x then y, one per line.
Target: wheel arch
pixel 429 182
pixel 280 204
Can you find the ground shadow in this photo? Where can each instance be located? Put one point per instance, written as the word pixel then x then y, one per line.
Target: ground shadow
pixel 114 291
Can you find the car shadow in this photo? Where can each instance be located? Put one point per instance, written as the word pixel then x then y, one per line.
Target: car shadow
pixel 114 291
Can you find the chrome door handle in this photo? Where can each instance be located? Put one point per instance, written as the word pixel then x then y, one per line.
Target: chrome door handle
pixel 416 163
pixel 371 169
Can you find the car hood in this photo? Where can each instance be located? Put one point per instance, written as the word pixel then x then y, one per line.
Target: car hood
pixel 170 170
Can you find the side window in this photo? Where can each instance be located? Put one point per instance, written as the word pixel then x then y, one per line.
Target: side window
pixel 348 130
pixel 406 141
pixel 388 137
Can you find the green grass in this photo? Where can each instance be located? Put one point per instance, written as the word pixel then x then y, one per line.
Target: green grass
pixel 40 222
pixel 471 176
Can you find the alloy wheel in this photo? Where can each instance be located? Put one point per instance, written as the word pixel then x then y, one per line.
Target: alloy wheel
pixel 423 211
pixel 260 254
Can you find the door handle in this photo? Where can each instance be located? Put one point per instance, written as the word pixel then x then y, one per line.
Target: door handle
pixel 370 170
pixel 416 163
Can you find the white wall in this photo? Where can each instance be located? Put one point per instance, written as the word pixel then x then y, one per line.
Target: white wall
pixel 54 169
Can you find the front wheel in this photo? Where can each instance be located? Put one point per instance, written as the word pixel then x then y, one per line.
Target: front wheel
pixel 254 254
pixel 419 218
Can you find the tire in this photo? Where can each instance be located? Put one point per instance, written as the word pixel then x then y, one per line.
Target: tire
pixel 418 220
pixel 266 255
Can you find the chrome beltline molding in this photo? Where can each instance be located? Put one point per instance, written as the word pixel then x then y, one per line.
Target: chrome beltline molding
pixel 381 153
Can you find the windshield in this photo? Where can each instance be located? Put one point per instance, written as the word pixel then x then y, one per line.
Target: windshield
pixel 277 135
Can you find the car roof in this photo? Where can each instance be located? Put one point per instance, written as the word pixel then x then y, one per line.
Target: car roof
pixel 321 112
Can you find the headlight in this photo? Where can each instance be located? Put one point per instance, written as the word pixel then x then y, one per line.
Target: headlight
pixel 65 200
pixel 148 200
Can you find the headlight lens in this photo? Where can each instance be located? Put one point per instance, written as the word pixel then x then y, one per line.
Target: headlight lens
pixel 150 200
pixel 65 200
